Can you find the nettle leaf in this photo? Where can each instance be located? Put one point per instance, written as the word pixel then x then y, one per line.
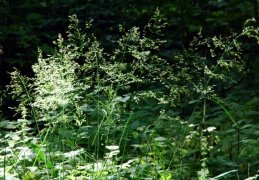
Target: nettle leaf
pixel 8 125
pixel 13 136
pixel 160 139
pixel 122 99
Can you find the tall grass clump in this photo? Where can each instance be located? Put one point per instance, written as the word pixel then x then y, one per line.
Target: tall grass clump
pixel 135 113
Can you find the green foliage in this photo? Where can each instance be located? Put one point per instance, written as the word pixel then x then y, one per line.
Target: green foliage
pixel 132 114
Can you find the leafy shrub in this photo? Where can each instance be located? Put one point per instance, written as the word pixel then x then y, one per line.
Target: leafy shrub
pixel 129 114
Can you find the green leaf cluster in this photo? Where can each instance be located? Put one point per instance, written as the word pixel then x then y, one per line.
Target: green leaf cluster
pixel 134 113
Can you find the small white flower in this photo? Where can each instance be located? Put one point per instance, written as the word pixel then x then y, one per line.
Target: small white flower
pixel 210 129
pixel 112 147
pixel 73 154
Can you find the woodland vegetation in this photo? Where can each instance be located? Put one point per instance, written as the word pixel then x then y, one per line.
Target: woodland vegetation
pixel 129 89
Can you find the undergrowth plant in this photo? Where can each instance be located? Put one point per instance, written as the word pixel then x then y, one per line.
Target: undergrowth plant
pixel 129 114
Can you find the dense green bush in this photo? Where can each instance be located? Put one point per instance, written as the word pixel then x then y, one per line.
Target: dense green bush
pixel 134 113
